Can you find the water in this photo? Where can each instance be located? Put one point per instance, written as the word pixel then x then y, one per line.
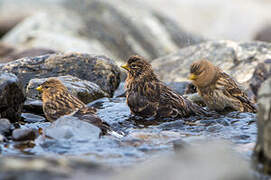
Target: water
pixel 144 138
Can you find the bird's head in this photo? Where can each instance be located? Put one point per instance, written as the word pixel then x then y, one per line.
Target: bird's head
pixel 138 67
pixel 202 73
pixel 51 85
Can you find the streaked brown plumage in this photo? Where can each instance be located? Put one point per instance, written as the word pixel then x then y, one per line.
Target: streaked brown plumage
pixel 218 90
pixel 57 102
pixel 147 96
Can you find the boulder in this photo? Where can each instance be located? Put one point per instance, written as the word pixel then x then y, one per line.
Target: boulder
pixel 94 68
pixel 86 91
pixel 114 29
pixel 237 59
pixel 262 149
pixel 211 161
pixel 11 97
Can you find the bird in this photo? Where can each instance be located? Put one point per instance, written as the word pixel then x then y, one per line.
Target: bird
pixel 218 90
pixel 148 97
pixel 57 101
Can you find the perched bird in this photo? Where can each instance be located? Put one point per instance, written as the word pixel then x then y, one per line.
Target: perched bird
pixel 217 89
pixel 148 97
pixel 57 102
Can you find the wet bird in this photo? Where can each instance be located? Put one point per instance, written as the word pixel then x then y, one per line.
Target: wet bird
pixel 58 101
pixel 218 90
pixel 148 97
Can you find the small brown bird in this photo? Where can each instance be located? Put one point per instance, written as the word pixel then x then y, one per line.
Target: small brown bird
pixel 148 97
pixel 57 102
pixel 218 90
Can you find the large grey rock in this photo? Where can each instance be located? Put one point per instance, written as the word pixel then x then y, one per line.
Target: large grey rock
pixel 205 162
pixel 127 28
pixel 263 146
pixel 94 68
pixel 116 29
pixel 86 91
pixel 11 97
pixel 237 59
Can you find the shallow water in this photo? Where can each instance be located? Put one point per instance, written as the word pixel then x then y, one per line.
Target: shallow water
pixel 144 138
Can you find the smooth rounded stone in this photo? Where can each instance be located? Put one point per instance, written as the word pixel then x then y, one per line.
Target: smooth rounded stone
pixel 86 91
pixel 209 161
pixel 11 97
pixel 262 149
pixel 5 126
pixel 264 34
pixel 94 68
pixel 237 59
pixel 33 105
pixel 70 127
pixel 32 118
pixel 24 134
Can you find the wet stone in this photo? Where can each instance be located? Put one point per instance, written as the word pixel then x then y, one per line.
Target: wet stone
pixel 33 105
pixel 24 134
pixel 70 127
pixel 32 118
pixel 4 126
pixel 11 97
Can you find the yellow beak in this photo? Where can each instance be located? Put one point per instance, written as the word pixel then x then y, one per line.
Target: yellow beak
pixel 39 89
pixel 125 67
pixel 192 77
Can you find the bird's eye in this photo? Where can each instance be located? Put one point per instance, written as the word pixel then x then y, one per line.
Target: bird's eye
pixel 46 87
pixel 133 66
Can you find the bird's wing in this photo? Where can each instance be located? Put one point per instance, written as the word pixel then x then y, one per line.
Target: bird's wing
pixel 53 112
pixel 231 88
pixel 144 100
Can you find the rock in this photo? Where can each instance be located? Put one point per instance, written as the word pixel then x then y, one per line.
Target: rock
pixel 237 59
pixel 2 139
pixel 211 161
pixel 94 68
pixel 70 127
pixel 50 167
pixel 120 92
pixel 262 149
pixel 32 52
pixel 32 105
pixel 24 134
pixel 32 118
pixel 125 30
pixel 4 126
pixel 86 91
pixel 113 29
pixel 264 34
pixel 11 97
